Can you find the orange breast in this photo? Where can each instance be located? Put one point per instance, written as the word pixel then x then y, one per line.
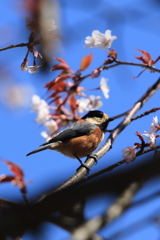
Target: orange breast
pixel 81 146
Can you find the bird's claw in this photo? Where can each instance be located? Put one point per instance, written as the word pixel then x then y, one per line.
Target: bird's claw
pixel 85 166
pixel 94 156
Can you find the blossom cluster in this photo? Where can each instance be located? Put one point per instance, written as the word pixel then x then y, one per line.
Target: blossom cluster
pixel 99 40
pixel 62 93
pixel 67 99
pixel 51 118
pixel 129 153
pixel 155 126
pixel 30 69
pixel 36 28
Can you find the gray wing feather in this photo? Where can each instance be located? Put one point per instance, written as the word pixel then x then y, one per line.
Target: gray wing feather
pixel 75 130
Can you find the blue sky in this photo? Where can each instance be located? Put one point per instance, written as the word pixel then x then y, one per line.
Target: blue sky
pixel 136 24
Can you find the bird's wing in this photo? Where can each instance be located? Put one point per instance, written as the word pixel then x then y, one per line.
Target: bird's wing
pixel 76 130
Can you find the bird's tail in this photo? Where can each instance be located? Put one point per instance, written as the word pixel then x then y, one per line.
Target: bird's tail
pixel 45 146
pixel 38 150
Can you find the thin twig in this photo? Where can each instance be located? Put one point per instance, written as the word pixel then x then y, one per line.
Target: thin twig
pixel 117 164
pixel 21 45
pixel 146 113
pixel 118 62
pixel 139 116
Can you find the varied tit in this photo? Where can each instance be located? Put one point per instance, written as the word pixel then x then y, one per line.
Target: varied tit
pixel 81 138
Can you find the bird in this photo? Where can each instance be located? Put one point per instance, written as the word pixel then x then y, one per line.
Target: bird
pixel 80 139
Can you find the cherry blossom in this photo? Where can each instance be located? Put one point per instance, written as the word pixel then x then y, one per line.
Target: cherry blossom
pixel 33 69
pixel 150 137
pixel 42 115
pixel 90 41
pixel 30 69
pixel 100 40
pixel 87 104
pixel 104 87
pixel 41 107
pixel 154 125
pixel 37 102
pixel 51 126
pixel 129 154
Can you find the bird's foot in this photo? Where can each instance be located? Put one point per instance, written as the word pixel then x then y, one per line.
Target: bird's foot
pixel 85 166
pixel 94 156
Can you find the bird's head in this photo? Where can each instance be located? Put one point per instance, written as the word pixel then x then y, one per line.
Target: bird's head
pixel 98 118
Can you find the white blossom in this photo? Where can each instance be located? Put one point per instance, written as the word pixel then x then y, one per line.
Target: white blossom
pixel 41 107
pixel 87 104
pixel 37 102
pixel 24 69
pixel 51 126
pixel 154 125
pixel 104 87
pixel 90 41
pixel 150 137
pixel 153 129
pixel 33 69
pixel 105 40
pixel 42 115
pixel 100 40
pixel 129 154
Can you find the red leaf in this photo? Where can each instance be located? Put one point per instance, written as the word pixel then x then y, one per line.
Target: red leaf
pixel 61 66
pixel 61 60
pixel 73 104
pixel 58 79
pixel 146 59
pixel 15 169
pixel 57 99
pixel 62 103
pixel 86 61
pixel 58 87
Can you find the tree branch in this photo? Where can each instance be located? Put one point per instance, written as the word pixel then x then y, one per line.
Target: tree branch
pixel 108 145
pixel 114 211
